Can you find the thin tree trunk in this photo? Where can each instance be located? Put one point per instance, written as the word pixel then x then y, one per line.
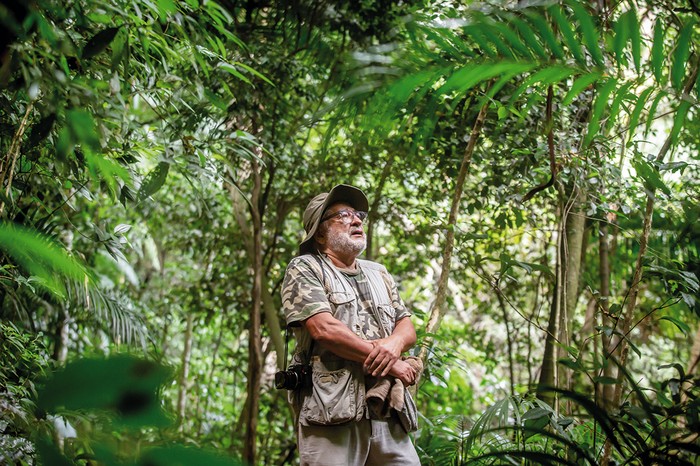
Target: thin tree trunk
pixel 574 240
pixel 607 390
pixel 509 341
pixel 184 374
pixel 437 311
pixel 254 338
pixel 548 373
pixel 60 349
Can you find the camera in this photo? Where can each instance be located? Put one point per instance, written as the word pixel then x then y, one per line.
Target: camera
pixel 295 377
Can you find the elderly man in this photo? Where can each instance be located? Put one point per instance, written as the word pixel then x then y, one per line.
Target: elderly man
pixel 352 328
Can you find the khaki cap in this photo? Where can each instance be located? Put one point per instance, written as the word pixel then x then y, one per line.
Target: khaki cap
pixel 318 205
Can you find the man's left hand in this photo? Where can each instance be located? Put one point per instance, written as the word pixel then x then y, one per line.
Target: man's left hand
pixel 385 353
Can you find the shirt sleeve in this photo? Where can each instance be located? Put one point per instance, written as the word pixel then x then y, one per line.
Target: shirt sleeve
pixel 303 294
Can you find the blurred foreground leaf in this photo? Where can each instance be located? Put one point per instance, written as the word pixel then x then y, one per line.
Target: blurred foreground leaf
pixel 123 385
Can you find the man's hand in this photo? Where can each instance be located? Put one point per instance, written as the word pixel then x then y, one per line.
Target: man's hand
pixel 385 352
pixel 404 372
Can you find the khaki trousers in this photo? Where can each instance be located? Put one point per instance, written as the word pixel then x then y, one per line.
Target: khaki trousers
pixel 363 443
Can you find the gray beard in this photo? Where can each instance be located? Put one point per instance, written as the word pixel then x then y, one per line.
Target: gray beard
pixel 344 244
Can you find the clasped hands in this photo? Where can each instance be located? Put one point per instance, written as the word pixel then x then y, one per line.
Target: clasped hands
pixel 385 359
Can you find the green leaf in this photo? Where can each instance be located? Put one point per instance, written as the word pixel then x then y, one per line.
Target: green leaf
pixel 603 380
pixel 636 113
pixel 82 128
pixel 546 34
pixel 679 120
pixel 590 32
pixel 657 51
pixel 166 7
pixel 99 42
pixel 650 175
pixel 635 38
pixel 599 106
pixel 622 33
pixel 652 111
pixel 41 257
pixel 564 25
pixel 490 33
pixel 621 94
pixel 546 76
pixel 579 85
pixel 123 385
pixel 681 55
pixel 529 36
pixel 469 76
pixel 154 180
pixel 514 40
pixel 447 42
pixel 254 72
pixel 119 48
pixel 682 326
pixel 474 31
pixel 232 69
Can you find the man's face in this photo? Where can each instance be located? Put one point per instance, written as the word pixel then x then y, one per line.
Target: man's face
pixel 343 232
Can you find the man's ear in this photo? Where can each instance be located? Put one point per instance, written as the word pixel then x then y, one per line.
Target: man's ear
pixel 320 238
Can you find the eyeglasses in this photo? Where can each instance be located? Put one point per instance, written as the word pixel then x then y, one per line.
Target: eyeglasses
pixel 346 215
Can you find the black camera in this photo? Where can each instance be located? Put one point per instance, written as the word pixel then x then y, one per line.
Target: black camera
pixel 295 377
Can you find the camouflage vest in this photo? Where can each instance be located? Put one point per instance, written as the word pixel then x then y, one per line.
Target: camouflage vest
pixel 338 392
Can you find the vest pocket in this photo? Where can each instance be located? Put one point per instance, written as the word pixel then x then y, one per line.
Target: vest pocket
pixel 335 398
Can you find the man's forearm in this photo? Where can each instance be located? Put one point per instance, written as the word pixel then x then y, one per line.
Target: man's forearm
pixel 336 337
pixel 406 333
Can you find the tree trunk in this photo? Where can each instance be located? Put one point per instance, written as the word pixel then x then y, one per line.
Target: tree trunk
pixel 575 222
pixel 436 310
pixel 184 374
pixel 254 338
pixel 607 390
pixel 548 373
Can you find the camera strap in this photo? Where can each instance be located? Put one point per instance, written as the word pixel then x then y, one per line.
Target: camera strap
pixel 286 348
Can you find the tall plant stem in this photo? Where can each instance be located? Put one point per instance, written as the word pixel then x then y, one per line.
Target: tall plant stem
pixel 437 309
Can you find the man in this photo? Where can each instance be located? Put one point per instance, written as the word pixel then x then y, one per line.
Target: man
pixel 351 328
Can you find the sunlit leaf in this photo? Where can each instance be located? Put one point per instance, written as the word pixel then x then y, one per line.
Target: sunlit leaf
pixel 639 106
pixel 579 85
pixel 681 55
pixel 599 105
pixel 682 326
pixel 657 51
pixel 590 32
pixel 564 25
pixel 41 257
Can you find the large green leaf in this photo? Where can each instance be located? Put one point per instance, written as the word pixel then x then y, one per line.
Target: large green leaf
pixel 41 257
pixel 123 385
pixel 657 50
pixel 681 55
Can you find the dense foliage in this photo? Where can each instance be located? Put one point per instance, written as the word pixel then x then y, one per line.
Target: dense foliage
pixel 533 177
